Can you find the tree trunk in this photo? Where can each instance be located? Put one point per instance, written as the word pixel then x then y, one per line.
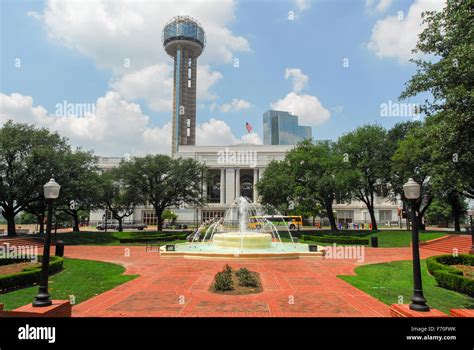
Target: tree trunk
pixel 372 217
pixel 332 219
pixel 11 229
pixel 75 219
pixel 454 200
pixel 159 225
pixel 41 226
pixel 120 226
pixel 41 217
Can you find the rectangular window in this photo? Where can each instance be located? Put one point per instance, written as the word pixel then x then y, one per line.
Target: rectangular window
pixel 189 83
pixel 189 73
pixel 385 216
pixel 345 216
pixel 211 214
pixel 149 217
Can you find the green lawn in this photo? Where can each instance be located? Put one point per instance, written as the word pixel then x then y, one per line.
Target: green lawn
pixel 402 238
pixel 389 239
pixel 388 281
pixel 81 278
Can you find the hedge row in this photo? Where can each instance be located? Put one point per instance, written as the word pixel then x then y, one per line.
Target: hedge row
pixel 9 261
pixel 30 275
pixel 343 232
pixel 449 277
pixel 336 239
pixel 154 238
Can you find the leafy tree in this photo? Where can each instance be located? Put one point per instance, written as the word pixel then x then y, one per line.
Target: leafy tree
pixel 320 177
pixel 367 152
pixel 29 157
pixel 441 211
pixel 118 197
pixel 412 158
pixel 79 180
pixel 445 71
pixel 165 182
pixel 276 187
pixel 169 215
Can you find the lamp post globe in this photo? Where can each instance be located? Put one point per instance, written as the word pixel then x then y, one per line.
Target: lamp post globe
pixel 51 189
pixel 51 192
pixel 411 190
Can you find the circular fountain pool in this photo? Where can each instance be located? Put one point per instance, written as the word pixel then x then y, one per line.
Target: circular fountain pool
pixel 243 233
pixel 242 240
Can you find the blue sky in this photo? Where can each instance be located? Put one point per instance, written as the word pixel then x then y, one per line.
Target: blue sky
pixel 62 63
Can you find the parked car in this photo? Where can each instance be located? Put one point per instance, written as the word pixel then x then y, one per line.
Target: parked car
pixel 101 227
pixel 171 226
pixel 139 227
pixel 125 226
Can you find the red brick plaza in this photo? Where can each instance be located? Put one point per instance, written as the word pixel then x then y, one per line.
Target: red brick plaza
pixel 179 287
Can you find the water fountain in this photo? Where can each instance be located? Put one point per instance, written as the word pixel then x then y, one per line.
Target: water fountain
pixel 244 232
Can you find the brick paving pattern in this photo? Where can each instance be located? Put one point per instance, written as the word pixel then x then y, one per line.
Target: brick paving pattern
pixel 180 287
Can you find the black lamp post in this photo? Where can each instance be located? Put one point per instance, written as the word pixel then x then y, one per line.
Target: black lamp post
pixel 411 190
pixel 51 192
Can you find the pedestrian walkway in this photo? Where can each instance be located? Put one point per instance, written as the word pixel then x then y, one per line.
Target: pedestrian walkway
pixel 180 287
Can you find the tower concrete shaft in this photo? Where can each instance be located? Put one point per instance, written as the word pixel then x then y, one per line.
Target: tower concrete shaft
pixel 184 98
pixel 184 40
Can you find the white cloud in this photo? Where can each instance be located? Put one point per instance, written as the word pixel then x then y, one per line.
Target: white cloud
pixel 235 106
pixel 302 4
pixel 125 37
pixel 299 79
pixel 110 31
pixel 308 108
pixel 395 38
pixel 154 84
pixel 206 78
pixel 116 127
pixel 378 5
pixel 218 132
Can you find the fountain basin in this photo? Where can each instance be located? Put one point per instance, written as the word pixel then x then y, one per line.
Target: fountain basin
pixel 244 240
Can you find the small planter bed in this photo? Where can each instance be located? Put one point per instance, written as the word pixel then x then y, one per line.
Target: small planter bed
pixel 453 272
pixel 236 282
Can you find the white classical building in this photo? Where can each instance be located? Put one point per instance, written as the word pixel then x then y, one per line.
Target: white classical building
pixel 238 168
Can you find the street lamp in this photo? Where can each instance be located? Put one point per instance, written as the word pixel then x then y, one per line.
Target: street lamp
pixel 51 192
pixel 411 190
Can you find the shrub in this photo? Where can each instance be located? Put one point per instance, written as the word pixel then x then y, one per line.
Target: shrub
pixel 246 278
pixel 30 275
pixel 336 239
pixel 154 238
pixel 449 277
pixel 223 281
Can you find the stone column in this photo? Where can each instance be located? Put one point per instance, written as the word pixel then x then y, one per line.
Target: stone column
pixel 255 180
pixel 230 185
pixel 237 182
pixel 222 186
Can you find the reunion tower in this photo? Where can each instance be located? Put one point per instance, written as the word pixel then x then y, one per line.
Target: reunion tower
pixel 184 39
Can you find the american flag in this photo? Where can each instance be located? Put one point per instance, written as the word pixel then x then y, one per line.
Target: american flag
pixel 249 127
